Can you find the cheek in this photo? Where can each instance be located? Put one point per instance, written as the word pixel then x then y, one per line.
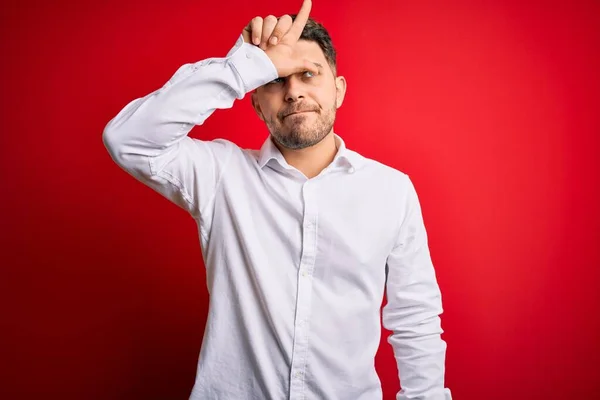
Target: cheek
pixel 329 102
pixel 269 110
pixel 335 97
pixel 329 98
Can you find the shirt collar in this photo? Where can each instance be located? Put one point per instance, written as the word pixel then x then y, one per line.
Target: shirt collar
pixel 343 157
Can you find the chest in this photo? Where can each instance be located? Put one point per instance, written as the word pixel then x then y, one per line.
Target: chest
pixel 351 220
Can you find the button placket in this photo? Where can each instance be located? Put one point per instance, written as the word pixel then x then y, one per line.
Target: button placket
pixel 303 301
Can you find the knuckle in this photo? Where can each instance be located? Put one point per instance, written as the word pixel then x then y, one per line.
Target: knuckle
pixel 271 18
pixel 257 19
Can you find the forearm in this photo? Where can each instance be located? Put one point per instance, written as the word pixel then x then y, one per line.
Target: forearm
pixel 148 137
pixel 420 355
pixel 154 124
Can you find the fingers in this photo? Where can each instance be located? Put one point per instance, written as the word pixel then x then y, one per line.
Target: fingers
pixel 271 31
pixel 296 30
pixel 256 28
pixel 283 26
pixel 268 26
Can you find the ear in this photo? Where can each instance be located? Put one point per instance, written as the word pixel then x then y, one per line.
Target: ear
pixel 340 92
pixel 256 106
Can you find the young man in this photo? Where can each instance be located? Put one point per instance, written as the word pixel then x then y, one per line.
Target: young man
pixel 301 238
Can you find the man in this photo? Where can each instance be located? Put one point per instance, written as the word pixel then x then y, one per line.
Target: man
pixel 301 238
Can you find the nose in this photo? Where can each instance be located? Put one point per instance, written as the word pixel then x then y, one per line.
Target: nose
pixel 294 89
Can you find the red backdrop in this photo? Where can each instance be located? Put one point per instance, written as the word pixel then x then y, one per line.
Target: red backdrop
pixel 492 108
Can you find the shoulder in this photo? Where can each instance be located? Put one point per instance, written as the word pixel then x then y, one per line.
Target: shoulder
pixel 380 172
pixel 236 154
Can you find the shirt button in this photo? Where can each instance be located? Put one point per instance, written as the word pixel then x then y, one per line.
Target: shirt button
pixel 304 274
pixel 351 170
pixel 248 55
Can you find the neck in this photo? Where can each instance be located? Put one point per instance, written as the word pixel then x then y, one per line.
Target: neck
pixel 311 160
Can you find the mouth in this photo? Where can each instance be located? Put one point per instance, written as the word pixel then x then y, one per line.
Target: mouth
pixel 298 113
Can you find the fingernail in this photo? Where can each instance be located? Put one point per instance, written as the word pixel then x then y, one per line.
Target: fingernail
pixel 256 41
pixel 273 40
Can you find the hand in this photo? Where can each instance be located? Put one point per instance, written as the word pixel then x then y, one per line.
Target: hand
pixel 278 37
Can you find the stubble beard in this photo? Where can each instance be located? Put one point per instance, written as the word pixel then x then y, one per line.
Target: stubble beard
pixel 301 134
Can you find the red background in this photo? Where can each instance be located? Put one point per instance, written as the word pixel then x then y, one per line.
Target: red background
pixel 492 108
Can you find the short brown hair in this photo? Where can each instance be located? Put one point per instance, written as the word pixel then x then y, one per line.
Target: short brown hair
pixel 315 32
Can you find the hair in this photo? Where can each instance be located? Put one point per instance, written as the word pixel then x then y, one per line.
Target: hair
pixel 315 32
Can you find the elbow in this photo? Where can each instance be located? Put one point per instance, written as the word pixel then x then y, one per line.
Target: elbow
pixel 112 143
pixel 121 145
pixel 121 134
pixel 416 319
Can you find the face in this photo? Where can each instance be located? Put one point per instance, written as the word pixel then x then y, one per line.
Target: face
pixel 300 109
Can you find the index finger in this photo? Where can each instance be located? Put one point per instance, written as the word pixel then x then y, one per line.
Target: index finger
pixel 300 21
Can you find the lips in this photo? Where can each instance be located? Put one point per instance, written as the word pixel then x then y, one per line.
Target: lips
pixel 298 112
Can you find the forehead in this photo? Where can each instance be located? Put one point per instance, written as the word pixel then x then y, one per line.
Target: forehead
pixel 309 50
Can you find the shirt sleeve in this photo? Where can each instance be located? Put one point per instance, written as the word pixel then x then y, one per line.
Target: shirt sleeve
pixel 149 138
pixel 413 308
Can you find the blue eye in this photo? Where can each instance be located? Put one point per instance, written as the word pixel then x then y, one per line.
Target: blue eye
pixel 281 80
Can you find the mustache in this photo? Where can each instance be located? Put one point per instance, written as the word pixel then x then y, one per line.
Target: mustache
pixel 297 108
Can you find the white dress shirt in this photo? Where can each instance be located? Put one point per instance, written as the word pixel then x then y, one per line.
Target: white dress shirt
pixel 296 268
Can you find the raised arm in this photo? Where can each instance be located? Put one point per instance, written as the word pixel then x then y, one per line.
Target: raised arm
pixel 149 139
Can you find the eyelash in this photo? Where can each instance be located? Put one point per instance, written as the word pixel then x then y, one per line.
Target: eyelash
pixel 280 80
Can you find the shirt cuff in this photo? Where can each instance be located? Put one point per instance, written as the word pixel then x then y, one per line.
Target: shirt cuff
pixel 252 64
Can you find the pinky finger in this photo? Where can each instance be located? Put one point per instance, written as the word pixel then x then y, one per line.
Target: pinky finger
pixel 256 29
